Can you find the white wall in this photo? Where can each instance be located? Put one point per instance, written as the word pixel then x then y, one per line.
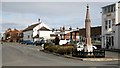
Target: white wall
pixel 35 29
pixel 45 34
pixel 109 30
pixel 117 37
pixel 26 34
pixel 117 28
pixel 119 13
pixel 115 15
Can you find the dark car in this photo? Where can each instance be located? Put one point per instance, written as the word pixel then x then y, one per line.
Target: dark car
pixel 23 41
pixel 39 42
pixel 28 42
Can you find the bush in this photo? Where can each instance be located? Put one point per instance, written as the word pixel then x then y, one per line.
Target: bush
pixel 61 49
pixel 51 47
pixel 55 48
pixel 65 49
pixel 48 47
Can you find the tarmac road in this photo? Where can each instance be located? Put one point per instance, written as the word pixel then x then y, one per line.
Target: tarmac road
pixel 15 54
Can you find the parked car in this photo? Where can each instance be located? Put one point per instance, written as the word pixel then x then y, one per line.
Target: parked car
pixel 28 42
pixel 62 42
pixel 39 42
pixel 80 46
pixel 24 41
pixel 50 41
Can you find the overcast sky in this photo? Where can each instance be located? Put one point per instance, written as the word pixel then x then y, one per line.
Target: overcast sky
pixel 19 15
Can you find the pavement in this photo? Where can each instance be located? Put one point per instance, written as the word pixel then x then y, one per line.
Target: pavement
pixel 109 56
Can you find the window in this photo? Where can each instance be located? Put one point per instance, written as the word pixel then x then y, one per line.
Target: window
pixel 108 9
pixel 31 35
pixel 28 36
pixel 103 10
pixel 106 24
pixel 112 8
pixel 110 23
pixel 112 41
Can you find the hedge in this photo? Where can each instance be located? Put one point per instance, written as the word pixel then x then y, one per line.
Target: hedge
pixel 61 49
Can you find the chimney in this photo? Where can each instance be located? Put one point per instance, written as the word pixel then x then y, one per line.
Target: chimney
pixel 39 20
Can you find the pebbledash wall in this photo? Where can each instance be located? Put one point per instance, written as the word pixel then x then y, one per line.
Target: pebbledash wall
pixel 110 26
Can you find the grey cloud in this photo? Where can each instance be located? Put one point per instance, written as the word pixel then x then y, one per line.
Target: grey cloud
pixel 59 0
pixel 11 25
pixel 47 8
pixel 56 14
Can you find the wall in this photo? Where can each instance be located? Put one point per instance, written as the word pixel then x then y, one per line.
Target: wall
pixel 25 35
pixel 119 36
pixel 118 12
pixel 107 16
pixel 35 30
pixel 45 34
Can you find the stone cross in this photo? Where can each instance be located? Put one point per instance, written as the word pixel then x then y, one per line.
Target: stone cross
pixel 88 44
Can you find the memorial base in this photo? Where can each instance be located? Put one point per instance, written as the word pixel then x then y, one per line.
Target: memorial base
pixel 98 53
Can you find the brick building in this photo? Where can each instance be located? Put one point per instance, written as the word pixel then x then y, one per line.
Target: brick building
pixel 11 35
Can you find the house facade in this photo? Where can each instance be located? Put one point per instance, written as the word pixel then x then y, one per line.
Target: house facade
pixel 110 18
pixel 11 35
pixel 28 32
pixel 79 34
pixel 41 31
pixel 117 36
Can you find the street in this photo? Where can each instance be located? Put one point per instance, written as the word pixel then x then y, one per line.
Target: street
pixel 15 54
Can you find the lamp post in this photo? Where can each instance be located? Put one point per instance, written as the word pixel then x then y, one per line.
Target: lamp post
pixel 79 34
pixel 70 33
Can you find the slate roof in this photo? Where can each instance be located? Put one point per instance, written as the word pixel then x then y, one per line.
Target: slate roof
pixel 30 27
pixel 44 29
pixel 37 36
pixel 94 31
pixel 118 24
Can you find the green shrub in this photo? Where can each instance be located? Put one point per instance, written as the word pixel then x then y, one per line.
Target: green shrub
pixel 69 49
pixel 61 49
pixel 55 47
pixel 65 49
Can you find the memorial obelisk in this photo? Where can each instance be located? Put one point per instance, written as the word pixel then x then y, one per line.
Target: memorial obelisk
pixel 88 44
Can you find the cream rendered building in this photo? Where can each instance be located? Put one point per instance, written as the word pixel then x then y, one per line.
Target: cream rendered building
pixel 110 27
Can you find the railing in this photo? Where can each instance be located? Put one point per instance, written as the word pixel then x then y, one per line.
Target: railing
pixel 96 53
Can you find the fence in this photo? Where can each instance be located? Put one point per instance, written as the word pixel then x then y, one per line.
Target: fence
pixel 98 53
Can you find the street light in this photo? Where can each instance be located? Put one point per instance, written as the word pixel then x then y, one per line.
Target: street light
pixel 79 33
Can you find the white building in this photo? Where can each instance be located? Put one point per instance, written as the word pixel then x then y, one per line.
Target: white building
pixel 28 32
pixel 36 32
pixel 117 36
pixel 110 18
pixel 41 31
